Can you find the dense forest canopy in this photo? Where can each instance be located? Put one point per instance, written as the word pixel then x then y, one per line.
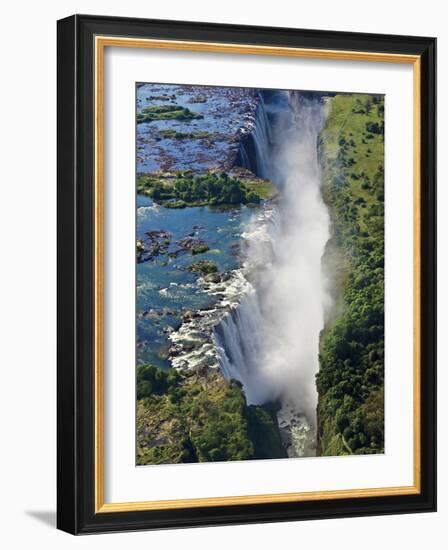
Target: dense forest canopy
pixel 351 378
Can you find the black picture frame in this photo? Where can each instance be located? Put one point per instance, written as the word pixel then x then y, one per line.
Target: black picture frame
pixel 76 263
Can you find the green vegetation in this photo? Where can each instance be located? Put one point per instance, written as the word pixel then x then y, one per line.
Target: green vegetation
pixel 265 189
pixel 264 432
pixel 174 134
pixel 181 189
pixel 162 97
pixel 166 112
pixel 199 248
pixel 199 417
pixel 350 381
pixel 153 381
pixel 204 267
pixel 180 204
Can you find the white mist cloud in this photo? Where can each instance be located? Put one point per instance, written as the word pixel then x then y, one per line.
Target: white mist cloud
pixel 272 339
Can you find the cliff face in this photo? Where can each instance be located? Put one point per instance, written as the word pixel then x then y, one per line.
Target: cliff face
pixel 350 382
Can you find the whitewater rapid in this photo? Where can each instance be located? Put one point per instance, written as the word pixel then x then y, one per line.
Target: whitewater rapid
pixel 270 342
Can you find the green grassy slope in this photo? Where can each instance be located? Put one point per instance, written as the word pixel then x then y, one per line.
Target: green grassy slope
pixel 350 382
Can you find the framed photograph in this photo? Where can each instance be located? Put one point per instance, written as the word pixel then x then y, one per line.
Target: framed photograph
pixel 246 266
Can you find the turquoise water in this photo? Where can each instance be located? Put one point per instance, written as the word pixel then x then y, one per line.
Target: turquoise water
pixel 165 288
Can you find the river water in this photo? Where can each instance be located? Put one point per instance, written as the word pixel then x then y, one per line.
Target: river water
pixel 165 288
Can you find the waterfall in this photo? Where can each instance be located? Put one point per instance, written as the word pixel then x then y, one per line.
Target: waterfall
pixel 270 342
pixel 255 146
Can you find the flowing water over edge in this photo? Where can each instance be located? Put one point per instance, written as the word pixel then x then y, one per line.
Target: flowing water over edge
pixel 270 343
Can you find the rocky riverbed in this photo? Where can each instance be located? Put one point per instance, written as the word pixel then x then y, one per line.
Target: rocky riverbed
pixel 199 144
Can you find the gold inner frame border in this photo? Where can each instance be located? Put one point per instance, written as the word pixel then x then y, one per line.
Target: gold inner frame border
pixel 100 43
